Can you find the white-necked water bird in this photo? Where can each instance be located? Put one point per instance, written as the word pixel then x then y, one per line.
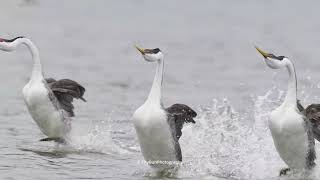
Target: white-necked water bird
pixel 159 128
pixel 49 101
pixel 293 128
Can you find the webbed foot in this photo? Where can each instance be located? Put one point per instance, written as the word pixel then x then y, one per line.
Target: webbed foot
pixel 284 171
pixel 55 139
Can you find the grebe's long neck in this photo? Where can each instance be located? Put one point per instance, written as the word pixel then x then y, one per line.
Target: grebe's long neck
pixel 155 93
pixel 37 69
pixel 291 97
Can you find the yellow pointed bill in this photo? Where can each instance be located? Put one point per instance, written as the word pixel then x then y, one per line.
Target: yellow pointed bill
pixel 264 54
pixel 140 50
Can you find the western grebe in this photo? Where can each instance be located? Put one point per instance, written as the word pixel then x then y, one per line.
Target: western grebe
pixel 293 128
pixel 49 101
pixel 159 128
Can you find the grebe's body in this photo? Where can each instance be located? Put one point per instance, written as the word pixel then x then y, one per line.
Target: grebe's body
pixel 293 128
pixel 45 111
pixel 159 128
pixel 154 134
pixel 49 102
pixel 292 137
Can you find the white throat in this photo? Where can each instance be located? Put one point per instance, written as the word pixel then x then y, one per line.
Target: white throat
pixel 155 93
pixel 37 69
pixel 291 97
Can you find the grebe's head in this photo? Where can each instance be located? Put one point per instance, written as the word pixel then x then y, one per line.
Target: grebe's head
pixel 273 61
pixel 9 44
pixel 151 55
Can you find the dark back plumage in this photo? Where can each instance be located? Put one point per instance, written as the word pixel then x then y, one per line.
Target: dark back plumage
pixel 65 90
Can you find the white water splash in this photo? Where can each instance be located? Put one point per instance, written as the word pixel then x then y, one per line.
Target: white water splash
pixel 95 138
pixel 224 143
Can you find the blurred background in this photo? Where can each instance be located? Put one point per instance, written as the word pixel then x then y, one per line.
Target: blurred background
pixel 210 64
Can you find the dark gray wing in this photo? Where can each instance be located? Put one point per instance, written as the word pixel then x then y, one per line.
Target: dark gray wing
pixel 178 114
pixel 312 113
pixel 65 91
pixel 312 131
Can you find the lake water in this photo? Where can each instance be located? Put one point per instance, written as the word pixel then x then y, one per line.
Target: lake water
pixel 210 64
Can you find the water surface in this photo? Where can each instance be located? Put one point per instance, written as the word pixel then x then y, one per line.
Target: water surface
pixel 211 65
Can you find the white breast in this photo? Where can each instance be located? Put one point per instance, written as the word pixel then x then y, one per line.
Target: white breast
pixel 154 134
pixel 290 137
pixel 47 117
